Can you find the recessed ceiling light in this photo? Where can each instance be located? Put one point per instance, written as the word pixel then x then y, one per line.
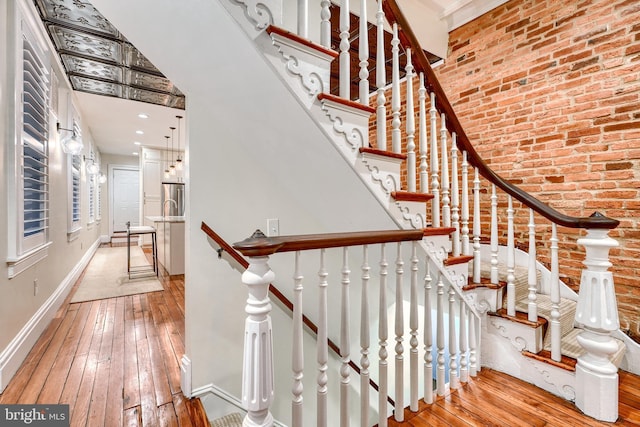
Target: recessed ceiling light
pixel 139 132
pixel 135 153
pixel 137 142
pixel 143 116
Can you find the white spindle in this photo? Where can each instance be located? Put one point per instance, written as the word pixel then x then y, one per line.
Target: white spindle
pixel 435 185
pixel 381 82
pixel 473 346
pixel 440 377
pixel 444 158
pixel 454 381
pixel 511 261
pixel 345 342
pixel 413 326
pixel 422 127
pixel 325 23
pixel 364 340
pixel 476 228
pixel 396 143
pixel 297 356
pixel 322 347
pixel 428 337
pixel 399 330
pixel 257 381
pixel 303 18
pixel 532 277
pixel 345 57
pixel 455 203
pixel 363 54
pixel 494 236
pixel 383 334
pixel 411 128
pixel 464 370
pixel 464 230
pixel 556 333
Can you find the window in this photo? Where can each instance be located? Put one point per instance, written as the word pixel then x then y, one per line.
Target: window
pixel 74 228
pixel 91 181
pixel 29 175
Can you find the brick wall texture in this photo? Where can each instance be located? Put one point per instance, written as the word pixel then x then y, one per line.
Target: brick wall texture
pixel 549 93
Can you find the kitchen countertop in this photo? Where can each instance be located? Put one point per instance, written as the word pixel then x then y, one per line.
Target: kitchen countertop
pixel 165 218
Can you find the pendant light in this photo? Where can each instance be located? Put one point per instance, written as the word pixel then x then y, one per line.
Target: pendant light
pixel 179 164
pixel 167 173
pixel 172 167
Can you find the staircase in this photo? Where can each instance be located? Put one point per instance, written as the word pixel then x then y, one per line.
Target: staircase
pixel 423 170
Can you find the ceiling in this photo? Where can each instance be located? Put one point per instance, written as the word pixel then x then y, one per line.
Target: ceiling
pixel 114 82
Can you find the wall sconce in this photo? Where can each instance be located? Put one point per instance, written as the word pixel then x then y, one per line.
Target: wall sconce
pixel 92 168
pixel 72 145
pixel 102 178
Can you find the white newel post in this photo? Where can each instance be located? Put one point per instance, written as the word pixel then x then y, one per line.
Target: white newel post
pixel 257 374
pixel 596 376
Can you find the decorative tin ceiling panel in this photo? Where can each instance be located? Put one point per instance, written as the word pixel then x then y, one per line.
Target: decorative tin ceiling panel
pixel 99 59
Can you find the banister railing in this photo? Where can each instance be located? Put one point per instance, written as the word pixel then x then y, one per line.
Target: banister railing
pixel 258 388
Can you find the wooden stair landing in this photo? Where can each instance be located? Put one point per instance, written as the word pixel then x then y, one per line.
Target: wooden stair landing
pixel 497 399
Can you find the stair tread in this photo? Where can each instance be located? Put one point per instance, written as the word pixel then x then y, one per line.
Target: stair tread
pixel 274 29
pixel 347 102
pixel 567 363
pixel 520 317
pixel 485 282
pixel 383 153
pixel 409 196
pixel 455 260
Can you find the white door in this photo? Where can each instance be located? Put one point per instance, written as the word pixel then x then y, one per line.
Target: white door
pixel 125 185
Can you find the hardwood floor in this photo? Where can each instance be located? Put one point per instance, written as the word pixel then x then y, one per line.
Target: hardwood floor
pixel 115 361
pixel 497 399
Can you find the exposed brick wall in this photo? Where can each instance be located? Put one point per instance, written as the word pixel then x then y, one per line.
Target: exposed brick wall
pixel 549 93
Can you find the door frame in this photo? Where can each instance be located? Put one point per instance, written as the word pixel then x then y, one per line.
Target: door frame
pixel 111 188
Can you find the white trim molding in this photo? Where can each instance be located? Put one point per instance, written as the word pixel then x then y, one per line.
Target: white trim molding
pixel 16 265
pixel 14 354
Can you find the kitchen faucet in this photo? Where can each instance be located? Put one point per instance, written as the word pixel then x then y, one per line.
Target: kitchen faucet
pixel 164 205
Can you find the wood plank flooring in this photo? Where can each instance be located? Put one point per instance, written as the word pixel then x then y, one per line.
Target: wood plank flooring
pixel 497 399
pixel 115 362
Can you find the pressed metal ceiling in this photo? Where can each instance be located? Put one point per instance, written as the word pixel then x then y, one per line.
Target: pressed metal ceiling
pixel 98 59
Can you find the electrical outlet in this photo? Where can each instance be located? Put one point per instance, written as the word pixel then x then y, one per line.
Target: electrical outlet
pixel 273 227
pixel 35 287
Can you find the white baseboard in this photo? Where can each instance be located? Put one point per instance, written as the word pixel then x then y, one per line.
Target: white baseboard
pixel 105 238
pixel 185 376
pixel 14 354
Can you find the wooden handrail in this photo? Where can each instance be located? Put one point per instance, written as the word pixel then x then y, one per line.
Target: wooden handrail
pixel 421 63
pixel 260 245
pixel 280 297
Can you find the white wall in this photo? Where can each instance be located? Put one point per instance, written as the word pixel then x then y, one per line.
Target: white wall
pixel 25 310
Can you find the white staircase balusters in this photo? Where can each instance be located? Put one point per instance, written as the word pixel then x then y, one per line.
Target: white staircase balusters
pixel 473 346
pixel 411 127
pixel 363 54
pixel 399 331
pixel 297 350
pixel 381 82
pixel 383 335
pixel 322 346
pixel 454 380
pixel 364 339
pixel 455 197
pixel 345 56
pixel 396 136
pixel 303 18
pixel 494 235
pixel 325 23
pixel 257 381
pixel 476 228
pixel 597 312
pixel 464 229
pixel 511 261
pixel 556 334
pixel 532 277
pixel 428 337
pixel 435 185
pixel 413 326
pixel 345 341
pixel 444 158
pixel 464 369
pixel 422 129
pixel 440 373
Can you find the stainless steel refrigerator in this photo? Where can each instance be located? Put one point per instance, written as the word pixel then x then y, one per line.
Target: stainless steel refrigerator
pixel 172 199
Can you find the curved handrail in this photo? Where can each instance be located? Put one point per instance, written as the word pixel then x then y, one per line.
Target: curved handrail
pixel 408 38
pixel 224 246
